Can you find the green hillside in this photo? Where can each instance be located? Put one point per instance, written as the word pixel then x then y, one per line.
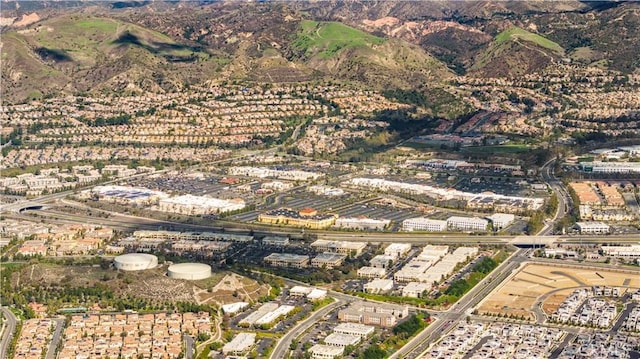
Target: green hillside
pixel 515 52
pixel 80 53
pixel 327 38
pixel 521 34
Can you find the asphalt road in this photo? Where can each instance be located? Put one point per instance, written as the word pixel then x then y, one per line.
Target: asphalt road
pixel 189 345
pixel 564 199
pixel 55 340
pixel 448 320
pixel 10 327
pixel 281 348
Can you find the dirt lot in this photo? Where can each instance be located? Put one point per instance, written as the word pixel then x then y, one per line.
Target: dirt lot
pixel 232 288
pixel 551 285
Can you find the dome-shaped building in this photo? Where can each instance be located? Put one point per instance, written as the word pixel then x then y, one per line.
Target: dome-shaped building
pixel 189 271
pixel 135 261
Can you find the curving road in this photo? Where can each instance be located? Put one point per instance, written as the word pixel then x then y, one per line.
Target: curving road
pixel 281 348
pixel 558 188
pixel 10 324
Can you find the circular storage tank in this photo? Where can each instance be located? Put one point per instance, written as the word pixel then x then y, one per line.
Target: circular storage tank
pixel 135 261
pixel 189 271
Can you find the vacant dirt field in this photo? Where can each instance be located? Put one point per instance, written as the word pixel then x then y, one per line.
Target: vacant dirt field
pixel 550 285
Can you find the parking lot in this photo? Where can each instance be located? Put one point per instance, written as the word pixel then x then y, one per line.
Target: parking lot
pixel 499 185
pixel 197 185
pixel 379 212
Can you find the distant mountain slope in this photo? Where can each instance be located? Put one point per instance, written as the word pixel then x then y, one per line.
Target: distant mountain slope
pixel 348 53
pixel 164 45
pixel 516 52
pixel 85 53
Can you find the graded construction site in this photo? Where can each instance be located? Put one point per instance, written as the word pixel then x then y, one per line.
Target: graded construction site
pixel 545 286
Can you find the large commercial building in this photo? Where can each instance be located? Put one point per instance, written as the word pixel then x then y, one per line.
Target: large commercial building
pixel 262 172
pixel 342 340
pixel 432 266
pixel 362 223
pixel 501 203
pixel 631 251
pixel 199 205
pixel 373 313
pixel 593 227
pixel 467 223
pixel 191 236
pixel 127 195
pixel 323 351
pixel 371 272
pixel 241 343
pixel 308 292
pixel 307 218
pixel 135 261
pixel 348 248
pixel 414 270
pixel 379 286
pixel 233 308
pixel 501 220
pixel 415 289
pixel 610 167
pixel 328 260
pixel 189 271
pixel 382 261
pixel 397 250
pixel 267 314
pixel 424 224
pixel 287 260
pixel 360 330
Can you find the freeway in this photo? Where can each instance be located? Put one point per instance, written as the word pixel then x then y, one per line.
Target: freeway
pixel 10 324
pixel 132 223
pixel 448 320
pixel 55 340
pixel 127 222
